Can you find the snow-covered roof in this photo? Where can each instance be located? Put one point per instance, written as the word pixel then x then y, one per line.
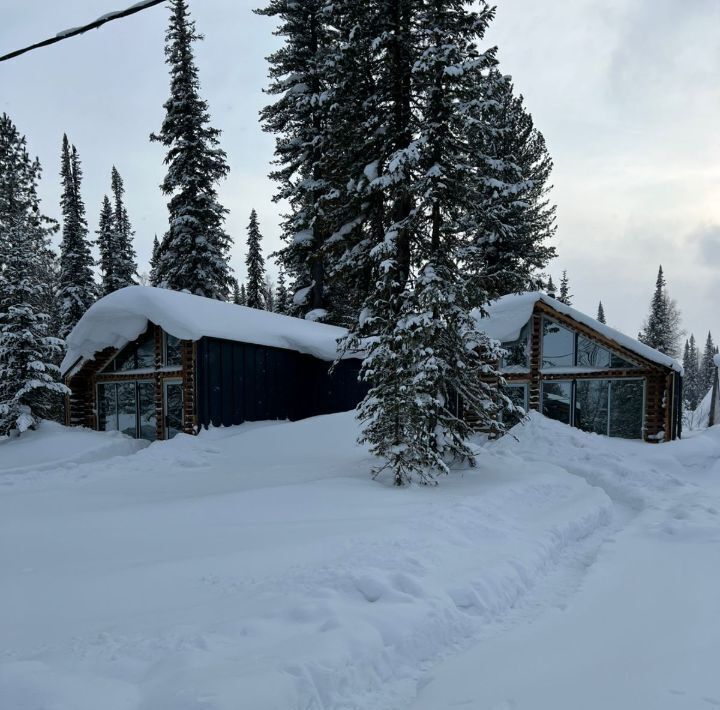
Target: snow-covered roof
pixel 119 318
pixel 507 315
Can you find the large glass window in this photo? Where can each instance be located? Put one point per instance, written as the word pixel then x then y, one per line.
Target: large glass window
pixel 517 354
pixel 627 401
pixel 592 354
pixel 128 407
pixel 107 407
pixel 173 408
pixel 518 395
pixel 557 401
pixel 558 345
pixel 172 350
pixel 139 355
pixel 591 405
pixel 147 417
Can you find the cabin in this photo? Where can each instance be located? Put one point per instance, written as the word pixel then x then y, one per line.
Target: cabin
pixel 151 363
pixel 581 372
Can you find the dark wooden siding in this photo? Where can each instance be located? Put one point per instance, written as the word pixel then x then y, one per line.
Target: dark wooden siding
pixel 239 382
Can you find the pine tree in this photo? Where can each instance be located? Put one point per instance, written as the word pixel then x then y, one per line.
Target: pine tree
pixel 154 262
pixel 77 290
pixel 550 287
pixel 29 386
pixel 707 368
pixel 269 294
pixel 661 329
pixel 243 295
pixel 565 295
pixel 691 381
pixel 255 265
pixel 515 214
pixel 601 313
pixel 299 118
pixel 282 304
pixel 106 246
pixel 424 351
pixel 236 297
pixel 193 254
pixel 125 266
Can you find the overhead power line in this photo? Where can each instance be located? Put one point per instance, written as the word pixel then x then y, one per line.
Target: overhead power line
pixel 66 34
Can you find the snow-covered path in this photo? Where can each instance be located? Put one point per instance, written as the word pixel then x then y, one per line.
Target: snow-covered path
pixel 643 629
pixel 260 567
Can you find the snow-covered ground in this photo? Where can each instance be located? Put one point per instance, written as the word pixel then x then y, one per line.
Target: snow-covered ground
pixel 260 567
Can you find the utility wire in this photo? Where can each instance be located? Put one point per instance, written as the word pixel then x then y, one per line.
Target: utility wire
pixel 66 34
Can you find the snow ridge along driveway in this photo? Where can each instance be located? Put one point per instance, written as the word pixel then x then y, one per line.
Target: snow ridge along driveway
pixel 261 567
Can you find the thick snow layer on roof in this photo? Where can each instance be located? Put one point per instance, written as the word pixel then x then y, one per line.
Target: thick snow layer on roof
pixel 121 317
pixel 507 315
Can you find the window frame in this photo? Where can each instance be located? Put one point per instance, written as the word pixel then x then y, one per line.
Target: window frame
pixel 115 383
pixel 576 335
pixel 610 380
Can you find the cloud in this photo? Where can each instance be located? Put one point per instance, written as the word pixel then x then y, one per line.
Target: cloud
pixel 707 241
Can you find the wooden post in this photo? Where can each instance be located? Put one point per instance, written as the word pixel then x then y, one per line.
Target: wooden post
pixel 535 354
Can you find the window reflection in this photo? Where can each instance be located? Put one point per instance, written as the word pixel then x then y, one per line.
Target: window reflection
pixel 558 345
pixel 517 354
pixel 557 401
pixel 591 405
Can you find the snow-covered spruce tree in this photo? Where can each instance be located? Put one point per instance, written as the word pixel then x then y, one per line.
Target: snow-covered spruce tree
pixel 706 374
pixel 236 296
pixel 154 262
pixel 269 294
pixel 77 289
pixel 29 386
pixel 565 295
pixel 106 245
pixel 550 287
pixel 425 353
pixel 299 119
pixel 193 254
pixel 515 216
pixel 662 329
pixel 601 313
pixel 282 304
pixel 243 295
pixel 255 265
pixel 691 378
pixel 125 266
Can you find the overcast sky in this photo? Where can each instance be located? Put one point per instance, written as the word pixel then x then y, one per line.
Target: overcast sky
pixel 626 92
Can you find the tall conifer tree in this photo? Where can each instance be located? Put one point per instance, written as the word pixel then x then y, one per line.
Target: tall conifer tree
pixel 106 246
pixel 515 216
pixel 661 329
pixel 255 265
pixel 601 313
pixel 77 290
pixel 154 262
pixel 282 304
pixel 706 374
pixel 125 267
pixel 565 295
pixel 691 382
pixel 29 376
pixel 193 254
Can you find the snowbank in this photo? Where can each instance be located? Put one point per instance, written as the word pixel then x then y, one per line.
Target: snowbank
pixel 263 563
pixel 122 316
pixel 507 315
pixel 261 567
pixel 53 447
